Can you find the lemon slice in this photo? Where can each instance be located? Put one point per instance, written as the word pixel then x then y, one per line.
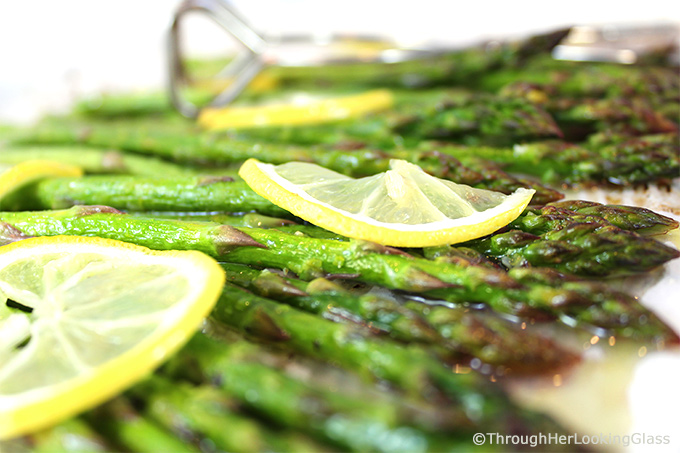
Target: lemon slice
pixel 301 110
pixel 403 207
pixel 94 315
pixel 12 177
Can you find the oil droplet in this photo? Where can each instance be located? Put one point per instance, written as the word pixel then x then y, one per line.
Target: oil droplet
pixel 594 339
pixel 642 351
pixel 557 380
pixel 612 340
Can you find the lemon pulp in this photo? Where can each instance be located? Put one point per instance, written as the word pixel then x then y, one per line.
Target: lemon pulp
pixel 402 207
pixel 91 316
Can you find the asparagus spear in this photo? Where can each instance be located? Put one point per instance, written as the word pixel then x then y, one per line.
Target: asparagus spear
pixel 367 262
pixel 249 220
pixel 636 161
pixel 120 423
pixel 586 248
pixel 359 419
pixel 632 218
pixel 408 368
pixel 455 330
pixel 540 220
pixel 565 79
pixel 582 244
pixel 630 115
pixel 195 193
pixel 212 239
pixel 185 145
pixel 70 436
pixel 200 415
pixel 191 193
pixel 480 120
pixel 96 160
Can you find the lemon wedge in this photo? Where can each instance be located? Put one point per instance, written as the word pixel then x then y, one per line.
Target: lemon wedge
pixel 83 318
pixel 13 177
pixel 301 110
pixel 403 207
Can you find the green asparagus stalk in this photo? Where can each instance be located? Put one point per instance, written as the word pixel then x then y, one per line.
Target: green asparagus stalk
pixel 332 301
pixel 249 220
pixel 123 426
pixel 212 239
pixel 454 330
pixel 636 161
pixel 408 368
pixel 188 146
pixel 201 415
pixel 96 160
pixel 554 235
pixel 480 120
pixel 565 79
pixel 367 262
pixel 585 248
pixel 192 194
pixel 363 419
pixel 631 218
pixel 70 436
pixel 557 215
pixel 635 116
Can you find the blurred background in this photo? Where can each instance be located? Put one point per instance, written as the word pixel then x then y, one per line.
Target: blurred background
pixel 54 52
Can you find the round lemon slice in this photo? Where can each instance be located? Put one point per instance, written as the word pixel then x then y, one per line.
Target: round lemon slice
pixel 12 177
pixel 82 318
pixel 300 110
pixel 403 207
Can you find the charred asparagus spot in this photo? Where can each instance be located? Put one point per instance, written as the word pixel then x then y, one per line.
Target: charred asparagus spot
pixel 311 257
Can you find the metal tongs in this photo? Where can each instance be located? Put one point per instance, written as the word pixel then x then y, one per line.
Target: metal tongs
pixel 260 51
pixel 624 45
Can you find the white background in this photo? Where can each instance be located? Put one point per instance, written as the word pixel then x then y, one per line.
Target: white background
pixel 54 51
